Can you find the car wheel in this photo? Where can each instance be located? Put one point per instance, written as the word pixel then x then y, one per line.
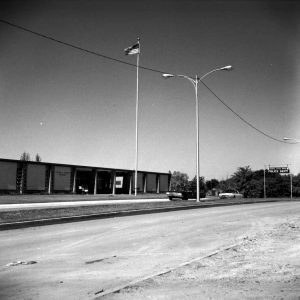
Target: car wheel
pixel 171 198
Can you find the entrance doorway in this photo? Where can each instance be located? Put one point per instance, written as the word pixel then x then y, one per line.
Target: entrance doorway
pixel 104 182
pixel 123 182
pixel 84 182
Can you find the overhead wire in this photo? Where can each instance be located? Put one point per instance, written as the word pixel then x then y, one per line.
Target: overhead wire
pixel 141 67
pixel 242 119
pixel 77 47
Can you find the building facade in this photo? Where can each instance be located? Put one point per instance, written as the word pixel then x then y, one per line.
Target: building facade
pixel 28 177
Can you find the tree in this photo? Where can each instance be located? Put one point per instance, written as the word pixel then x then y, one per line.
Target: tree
pixel 193 184
pixel 296 185
pixel 25 156
pixel 242 178
pixel 179 181
pixel 38 158
pixel 251 183
pixel 228 185
pixel 212 184
pixel 255 189
pixel 277 185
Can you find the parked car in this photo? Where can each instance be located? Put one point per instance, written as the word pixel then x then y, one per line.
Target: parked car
pixel 184 195
pixel 230 194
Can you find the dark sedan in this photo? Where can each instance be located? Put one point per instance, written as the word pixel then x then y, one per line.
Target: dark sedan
pixel 184 195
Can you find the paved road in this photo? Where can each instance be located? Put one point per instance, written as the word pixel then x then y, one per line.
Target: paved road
pixel 77 260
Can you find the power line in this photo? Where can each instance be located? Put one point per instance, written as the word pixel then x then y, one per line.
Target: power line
pixel 133 65
pixel 245 121
pixel 77 47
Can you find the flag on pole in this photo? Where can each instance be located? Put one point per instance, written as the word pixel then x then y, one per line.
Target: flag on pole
pixel 134 49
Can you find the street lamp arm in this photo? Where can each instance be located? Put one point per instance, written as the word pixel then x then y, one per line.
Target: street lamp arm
pixel 227 68
pixel 212 71
pixel 193 81
pixel 197 79
pixel 294 141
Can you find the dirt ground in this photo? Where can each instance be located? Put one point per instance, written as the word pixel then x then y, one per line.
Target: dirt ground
pixel 263 266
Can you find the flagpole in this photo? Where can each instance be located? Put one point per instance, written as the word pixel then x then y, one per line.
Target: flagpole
pixel 136 118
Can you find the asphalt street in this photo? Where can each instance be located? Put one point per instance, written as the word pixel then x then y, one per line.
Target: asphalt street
pixel 84 259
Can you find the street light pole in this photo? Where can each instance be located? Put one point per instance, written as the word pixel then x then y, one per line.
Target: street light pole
pixel 197 146
pixel 195 82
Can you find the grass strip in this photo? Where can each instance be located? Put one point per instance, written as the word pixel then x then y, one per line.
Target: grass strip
pixel 59 212
pixel 31 214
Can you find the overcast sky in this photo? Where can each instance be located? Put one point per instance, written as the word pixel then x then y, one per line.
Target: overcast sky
pixel 76 108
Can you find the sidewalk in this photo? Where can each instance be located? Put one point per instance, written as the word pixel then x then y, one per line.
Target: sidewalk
pixel 35 198
pixel 21 206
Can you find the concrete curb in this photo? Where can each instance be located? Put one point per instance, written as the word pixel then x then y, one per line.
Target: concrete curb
pixel 122 213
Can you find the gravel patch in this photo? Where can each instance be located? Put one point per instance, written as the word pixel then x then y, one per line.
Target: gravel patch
pixel 263 266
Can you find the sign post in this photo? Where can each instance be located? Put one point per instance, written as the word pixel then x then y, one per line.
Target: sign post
pixel 265 195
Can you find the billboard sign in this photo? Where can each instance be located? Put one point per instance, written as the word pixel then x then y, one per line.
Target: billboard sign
pixel 279 170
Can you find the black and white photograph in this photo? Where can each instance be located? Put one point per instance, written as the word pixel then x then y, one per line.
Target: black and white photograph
pixel 150 149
